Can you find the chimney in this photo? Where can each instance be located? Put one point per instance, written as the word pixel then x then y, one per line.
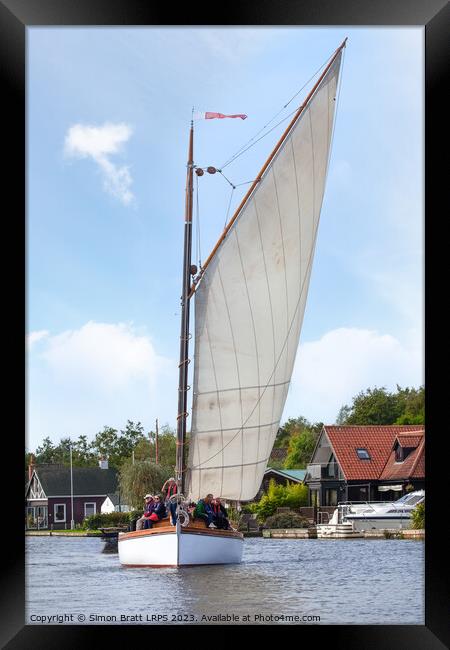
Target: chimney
pixel 31 467
pixel 103 462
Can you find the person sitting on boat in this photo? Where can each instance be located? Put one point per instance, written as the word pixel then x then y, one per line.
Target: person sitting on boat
pixel 159 512
pixel 149 505
pixel 169 489
pixel 204 511
pixel 219 514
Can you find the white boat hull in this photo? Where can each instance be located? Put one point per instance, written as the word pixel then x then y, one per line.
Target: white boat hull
pixel 337 531
pixel 379 522
pixel 176 546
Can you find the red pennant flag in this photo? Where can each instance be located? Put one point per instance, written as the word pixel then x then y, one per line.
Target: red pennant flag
pixel 212 116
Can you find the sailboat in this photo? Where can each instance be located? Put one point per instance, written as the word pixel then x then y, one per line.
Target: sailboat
pixel 250 297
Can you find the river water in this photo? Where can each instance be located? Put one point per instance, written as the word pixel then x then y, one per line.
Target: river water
pixel 341 581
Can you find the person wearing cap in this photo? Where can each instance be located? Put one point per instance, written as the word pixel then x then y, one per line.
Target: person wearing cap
pixel 158 513
pixel 149 507
pixel 169 489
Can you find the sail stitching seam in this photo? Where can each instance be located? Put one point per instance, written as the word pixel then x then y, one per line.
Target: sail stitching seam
pixel 225 390
pixel 237 369
pixel 285 267
pixel 253 426
pixel 270 298
pixel 299 212
pixel 254 338
pixel 217 390
pixel 257 462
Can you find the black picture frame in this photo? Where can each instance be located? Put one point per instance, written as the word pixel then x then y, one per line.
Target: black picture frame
pixel 15 17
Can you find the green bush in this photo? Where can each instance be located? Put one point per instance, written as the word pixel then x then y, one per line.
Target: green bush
pixel 250 508
pixel 286 520
pixel 133 515
pixel 106 520
pixel 292 495
pixel 418 516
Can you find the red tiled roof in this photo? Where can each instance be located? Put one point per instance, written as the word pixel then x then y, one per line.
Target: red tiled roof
pixel 418 471
pixel 409 440
pixel 278 453
pixel 412 467
pixel 378 440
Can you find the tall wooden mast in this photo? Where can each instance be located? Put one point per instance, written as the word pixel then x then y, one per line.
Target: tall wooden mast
pixel 184 334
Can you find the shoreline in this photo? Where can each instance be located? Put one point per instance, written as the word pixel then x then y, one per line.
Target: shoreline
pixel 274 533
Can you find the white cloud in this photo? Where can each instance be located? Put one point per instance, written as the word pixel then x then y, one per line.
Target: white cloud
pixel 108 356
pixel 98 143
pixel 101 374
pixel 329 372
pixel 34 337
pixel 233 45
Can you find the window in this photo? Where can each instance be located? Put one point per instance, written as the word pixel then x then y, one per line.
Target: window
pixel 401 453
pixel 90 508
pixel 330 497
pixel 59 512
pixel 363 454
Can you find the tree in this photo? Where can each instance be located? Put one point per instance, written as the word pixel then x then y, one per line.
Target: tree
pixel 374 406
pixel 128 439
pixel 82 454
pixel 301 447
pixel 413 405
pixel 46 452
pixel 299 436
pixel 343 415
pixel 167 446
pixel 418 516
pixel 140 478
pixel 289 428
pixel 378 406
pixel 106 443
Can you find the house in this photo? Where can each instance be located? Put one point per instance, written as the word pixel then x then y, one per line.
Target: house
pixel 366 463
pixel 113 503
pixel 50 493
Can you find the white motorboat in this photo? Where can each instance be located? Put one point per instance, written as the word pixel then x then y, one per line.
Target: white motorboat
pixel 336 528
pixel 381 515
pixel 250 296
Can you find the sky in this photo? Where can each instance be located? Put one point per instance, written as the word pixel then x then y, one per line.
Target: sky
pixel 108 116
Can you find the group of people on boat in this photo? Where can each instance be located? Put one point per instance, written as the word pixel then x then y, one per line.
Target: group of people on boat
pixel 212 512
pixel 210 509
pixel 154 510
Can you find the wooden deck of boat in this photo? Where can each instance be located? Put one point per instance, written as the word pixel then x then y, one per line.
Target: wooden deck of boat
pixel 164 527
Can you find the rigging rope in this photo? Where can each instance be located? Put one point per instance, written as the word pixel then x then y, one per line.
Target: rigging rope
pixel 197 227
pixel 245 147
pixel 338 96
pixel 229 205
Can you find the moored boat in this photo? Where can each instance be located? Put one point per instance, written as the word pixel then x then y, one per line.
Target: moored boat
pixel 337 528
pixel 383 515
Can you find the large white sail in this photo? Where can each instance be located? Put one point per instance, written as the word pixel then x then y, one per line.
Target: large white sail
pixel 249 309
